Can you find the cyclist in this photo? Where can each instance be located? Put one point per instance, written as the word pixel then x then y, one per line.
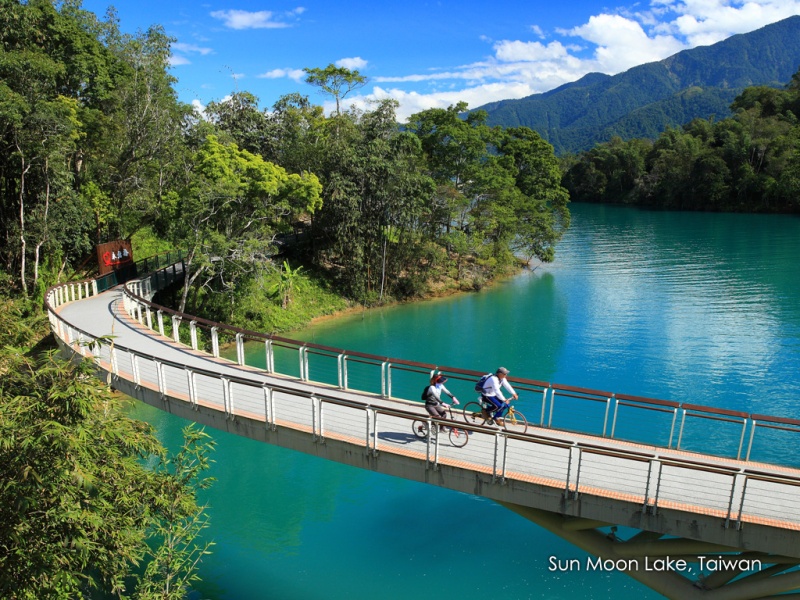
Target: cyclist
pixel 493 395
pixel 433 400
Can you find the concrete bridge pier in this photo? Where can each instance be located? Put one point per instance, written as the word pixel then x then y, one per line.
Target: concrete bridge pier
pixel 638 557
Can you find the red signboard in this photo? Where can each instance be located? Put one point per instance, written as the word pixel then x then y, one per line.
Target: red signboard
pixel 115 255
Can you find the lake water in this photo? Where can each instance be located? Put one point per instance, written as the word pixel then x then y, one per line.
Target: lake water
pixel 692 307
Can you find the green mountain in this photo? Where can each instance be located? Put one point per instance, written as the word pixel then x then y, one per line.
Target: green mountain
pixel 643 101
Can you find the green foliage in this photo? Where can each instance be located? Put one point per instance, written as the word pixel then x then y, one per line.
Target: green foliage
pixel 78 506
pixel 90 131
pixel 312 297
pixel 745 163
pixel 500 188
pixel 286 282
pixel 335 81
pixel 645 100
pixel 229 210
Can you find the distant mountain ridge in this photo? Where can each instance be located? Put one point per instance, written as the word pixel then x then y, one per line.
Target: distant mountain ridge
pixel 643 101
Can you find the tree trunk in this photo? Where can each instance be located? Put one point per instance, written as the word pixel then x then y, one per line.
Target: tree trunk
pixel 188 281
pixel 44 233
pixel 23 243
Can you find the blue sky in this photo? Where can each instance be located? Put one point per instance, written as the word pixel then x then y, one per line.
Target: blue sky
pixel 427 53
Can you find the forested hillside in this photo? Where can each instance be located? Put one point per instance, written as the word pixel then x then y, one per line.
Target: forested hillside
pixel 749 162
pixel 285 214
pixel 97 147
pixel 645 100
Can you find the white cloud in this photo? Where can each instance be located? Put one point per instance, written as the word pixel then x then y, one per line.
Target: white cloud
pixel 177 61
pixel 352 63
pixel 508 51
pixel 413 102
pixel 199 108
pixel 622 43
pixel 608 43
pixel 262 19
pixel 295 74
pixel 190 48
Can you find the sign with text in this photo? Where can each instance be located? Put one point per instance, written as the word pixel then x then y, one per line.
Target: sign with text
pixel 113 256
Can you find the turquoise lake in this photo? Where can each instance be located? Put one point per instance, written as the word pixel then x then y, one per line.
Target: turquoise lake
pixel 691 307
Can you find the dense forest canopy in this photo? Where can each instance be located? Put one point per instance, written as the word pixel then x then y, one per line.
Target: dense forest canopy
pixel 96 146
pixel 749 162
pixel 269 205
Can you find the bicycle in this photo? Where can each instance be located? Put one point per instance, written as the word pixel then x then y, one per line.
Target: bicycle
pixel 458 437
pixel 479 412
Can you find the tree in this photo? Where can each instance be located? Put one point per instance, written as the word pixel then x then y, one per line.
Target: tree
pixel 240 118
pixel 90 131
pixel 335 81
pixel 79 508
pixel 500 188
pixel 372 184
pixel 541 212
pixel 228 212
pixel 283 289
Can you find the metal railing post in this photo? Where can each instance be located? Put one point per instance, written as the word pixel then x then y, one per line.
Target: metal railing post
pixel 750 443
pixel 680 431
pixel 605 419
pixel 741 438
pixel 658 486
pixel 300 350
pixel 227 400
pixel 614 417
pixel 176 329
pixel 268 356
pixel 505 457
pixel 730 500
pixel 215 341
pixel 192 388
pixel 577 471
pixel 672 428
pixel 374 432
pixel 269 408
pixel 135 369
pixel 162 388
pixel 239 349
pixel 741 505
pixel 114 363
pixel 496 455
pixel 193 333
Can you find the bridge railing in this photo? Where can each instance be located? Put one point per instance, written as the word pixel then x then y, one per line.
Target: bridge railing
pixel 641 478
pixel 653 421
pixel 617 416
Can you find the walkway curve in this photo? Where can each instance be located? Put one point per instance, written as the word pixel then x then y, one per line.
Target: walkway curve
pixel 729 504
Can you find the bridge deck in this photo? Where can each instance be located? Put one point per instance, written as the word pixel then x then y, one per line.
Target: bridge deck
pixel 577 474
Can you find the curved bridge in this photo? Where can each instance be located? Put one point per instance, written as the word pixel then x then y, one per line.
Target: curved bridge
pixel 738 518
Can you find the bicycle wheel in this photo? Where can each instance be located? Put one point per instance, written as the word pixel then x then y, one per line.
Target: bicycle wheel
pixel 515 422
pixel 458 437
pixel 420 429
pixel 473 414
